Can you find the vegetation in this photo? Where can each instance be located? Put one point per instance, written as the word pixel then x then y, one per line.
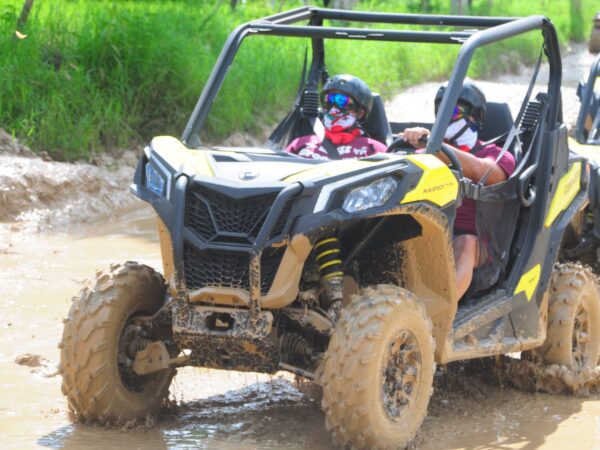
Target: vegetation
pixel 94 75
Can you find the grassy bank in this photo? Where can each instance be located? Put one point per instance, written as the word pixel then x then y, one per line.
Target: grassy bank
pixel 92 75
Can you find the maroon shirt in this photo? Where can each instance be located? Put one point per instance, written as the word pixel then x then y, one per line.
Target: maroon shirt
pixel 465 215
pixel 310 147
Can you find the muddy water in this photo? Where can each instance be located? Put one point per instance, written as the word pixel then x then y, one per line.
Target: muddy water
pixel 39 273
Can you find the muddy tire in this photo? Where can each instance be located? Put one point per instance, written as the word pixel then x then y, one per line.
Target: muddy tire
pixel 96 380
pixel 573 337
pixel 377 374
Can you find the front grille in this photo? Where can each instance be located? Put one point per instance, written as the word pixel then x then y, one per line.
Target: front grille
pixel 269 263
pixel 215 268
pixel 228 269
pixel 279 226
pixel 219 218
pixel 198 218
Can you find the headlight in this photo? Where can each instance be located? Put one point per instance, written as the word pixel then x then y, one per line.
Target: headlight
pixel 155 180
pixel 369 196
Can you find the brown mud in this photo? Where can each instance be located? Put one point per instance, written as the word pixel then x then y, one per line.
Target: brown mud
pixel 59 223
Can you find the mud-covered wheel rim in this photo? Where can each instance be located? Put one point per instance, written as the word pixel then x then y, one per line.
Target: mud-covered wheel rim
pixel 131 339
pixel 401 375
pixel 581 332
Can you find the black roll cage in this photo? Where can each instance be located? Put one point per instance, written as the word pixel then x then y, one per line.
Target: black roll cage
pixel 586 98
pixel 283 24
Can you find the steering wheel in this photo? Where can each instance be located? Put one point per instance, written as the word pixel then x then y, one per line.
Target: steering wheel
pixel 401 145
pixel 454 162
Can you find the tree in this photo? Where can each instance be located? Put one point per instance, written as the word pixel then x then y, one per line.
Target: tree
pixel 24 14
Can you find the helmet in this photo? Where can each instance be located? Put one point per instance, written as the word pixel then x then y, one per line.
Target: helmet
pixel 470 96
pixel 353 86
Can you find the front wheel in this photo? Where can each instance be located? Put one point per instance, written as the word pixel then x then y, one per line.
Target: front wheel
pixel 573 337
pixel 378 370
pixel 102 333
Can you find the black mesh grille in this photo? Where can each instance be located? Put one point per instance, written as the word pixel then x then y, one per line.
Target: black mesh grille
pixel 215 268
pixel 198 218
pixel 279 226
pixel 228 269
pixel 269 263
pixel 215 216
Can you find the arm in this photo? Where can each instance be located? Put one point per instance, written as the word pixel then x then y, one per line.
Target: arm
pixel 473 167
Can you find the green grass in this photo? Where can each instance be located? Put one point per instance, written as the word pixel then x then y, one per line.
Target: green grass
pixel 95 75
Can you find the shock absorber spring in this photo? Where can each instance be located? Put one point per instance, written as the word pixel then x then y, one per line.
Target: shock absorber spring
pixel 331 273
pixel 328 258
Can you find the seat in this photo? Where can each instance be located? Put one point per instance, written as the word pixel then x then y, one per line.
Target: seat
pixel 498 120
pixel 377 125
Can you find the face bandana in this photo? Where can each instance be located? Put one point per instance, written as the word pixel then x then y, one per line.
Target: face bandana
pixel 340 126
pixel 460 134
pixel 337 120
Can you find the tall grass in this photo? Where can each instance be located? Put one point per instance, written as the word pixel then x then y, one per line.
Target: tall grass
pixel 94 75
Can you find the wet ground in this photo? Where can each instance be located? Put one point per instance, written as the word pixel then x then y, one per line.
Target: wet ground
pixel 223 410
pixel 44 259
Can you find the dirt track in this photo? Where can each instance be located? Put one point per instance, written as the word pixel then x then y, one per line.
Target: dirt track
pixel 56 230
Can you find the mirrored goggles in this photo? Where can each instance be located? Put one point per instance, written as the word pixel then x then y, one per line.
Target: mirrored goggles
pixel 459 112
pixel 342 101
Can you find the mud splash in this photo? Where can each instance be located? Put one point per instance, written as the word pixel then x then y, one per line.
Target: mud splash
pixel 39 364
pixel 554 379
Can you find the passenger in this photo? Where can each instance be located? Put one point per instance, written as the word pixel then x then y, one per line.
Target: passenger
pixel 476 159
pixel 346 102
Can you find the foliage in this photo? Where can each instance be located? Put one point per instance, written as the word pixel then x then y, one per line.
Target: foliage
pixel 94 75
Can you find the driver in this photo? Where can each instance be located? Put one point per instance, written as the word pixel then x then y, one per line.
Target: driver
pixel 346 102
pixel 476 159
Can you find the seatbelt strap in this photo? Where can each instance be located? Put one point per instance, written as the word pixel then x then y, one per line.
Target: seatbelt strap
pixel 329 146
pixel 513 132
pixel 331 149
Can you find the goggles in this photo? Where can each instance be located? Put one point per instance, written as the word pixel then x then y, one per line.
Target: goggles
pixel 459 112
pixel 342 101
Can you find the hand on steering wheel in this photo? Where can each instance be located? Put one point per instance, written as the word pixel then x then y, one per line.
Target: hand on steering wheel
pixel 402 145
pixel 399 145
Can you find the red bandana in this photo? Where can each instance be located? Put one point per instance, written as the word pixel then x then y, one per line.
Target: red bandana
pixel 342 137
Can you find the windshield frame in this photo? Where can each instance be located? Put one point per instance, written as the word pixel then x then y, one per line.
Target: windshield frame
pixel 494 29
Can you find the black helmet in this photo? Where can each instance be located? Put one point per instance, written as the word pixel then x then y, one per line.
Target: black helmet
pixel 353 86
pixel 470 96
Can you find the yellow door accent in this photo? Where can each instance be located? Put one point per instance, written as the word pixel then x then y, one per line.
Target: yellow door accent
pixel 529 282
pixel 591 152
pixel 177 155
pixel 437 185
pixel 568 187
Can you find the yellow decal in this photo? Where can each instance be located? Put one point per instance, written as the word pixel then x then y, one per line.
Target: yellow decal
pixel 529 282
pixel 591 152
pixel 177 155
pixel 566 190
pixel 437 185
pixel 331 169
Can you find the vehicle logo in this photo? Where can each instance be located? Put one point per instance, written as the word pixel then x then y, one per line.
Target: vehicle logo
pixel 249 174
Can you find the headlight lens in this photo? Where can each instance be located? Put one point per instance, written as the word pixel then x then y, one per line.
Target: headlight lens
pixel 369 196
pixel 155 181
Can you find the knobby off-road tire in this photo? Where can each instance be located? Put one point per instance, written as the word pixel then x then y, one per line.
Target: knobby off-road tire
pixel 573 337
pixel 377 373
pixel 95 381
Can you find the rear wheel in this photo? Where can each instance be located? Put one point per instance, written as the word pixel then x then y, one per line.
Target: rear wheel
pixel 573 337
pixel 378 370
pixel 101 336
